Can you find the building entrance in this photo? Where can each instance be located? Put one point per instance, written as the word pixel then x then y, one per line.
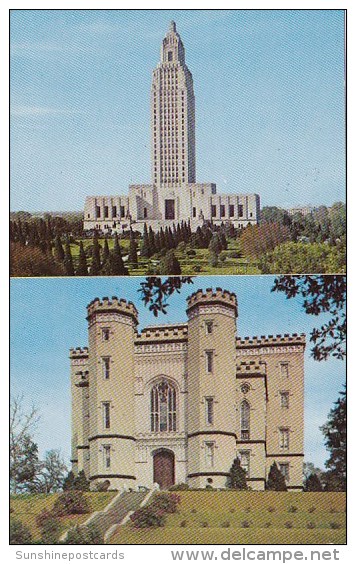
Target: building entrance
pixel 163 469
pixel 169 209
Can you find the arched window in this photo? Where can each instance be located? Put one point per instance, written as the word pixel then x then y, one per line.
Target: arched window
pixel 163 407
pixel 245 420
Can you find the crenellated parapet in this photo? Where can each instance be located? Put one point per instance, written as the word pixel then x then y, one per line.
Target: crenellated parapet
pixel 79 352
pixel 270 340
pixel 176 332
pixel 212 301
pixel 111 310
pixel 249 368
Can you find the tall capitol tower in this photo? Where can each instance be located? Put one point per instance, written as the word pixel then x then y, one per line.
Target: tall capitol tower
pixel 174 194
pixel 172 116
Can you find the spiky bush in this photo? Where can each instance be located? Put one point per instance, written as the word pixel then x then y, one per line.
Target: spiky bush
pixel 71 502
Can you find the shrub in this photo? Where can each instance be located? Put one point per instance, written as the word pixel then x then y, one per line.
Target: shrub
pixel 204 524
pixel 311 525
pixel 146 517
pixel 43 517
pixel 166 502
pixel 271 509
pixel 84 535
pixel 332 510
pixel 181 247
pixel 247 509
pixel 191 252
pixel 268 524
pixel 179 487
pixel 235 254
pixel 193 510
pixel 292 509
pixel 232 510
pixel 334 525
pixel 225 524
pixel 19 533
pixel 50 531
pixel 183 524
pixel 245 524
pixel 71 502
pixel 222 258
pixel 288 525
pixel 209 487
pixel 102 486
pixel 311 509
pixel 214 260
pixel 197 268
pixel 276 481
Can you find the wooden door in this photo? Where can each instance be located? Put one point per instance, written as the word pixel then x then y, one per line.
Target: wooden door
pixel 163 469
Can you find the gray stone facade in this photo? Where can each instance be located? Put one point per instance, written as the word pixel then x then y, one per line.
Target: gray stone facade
pixel 174 194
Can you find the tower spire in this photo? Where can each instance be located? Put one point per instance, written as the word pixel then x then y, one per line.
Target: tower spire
pixel 172 26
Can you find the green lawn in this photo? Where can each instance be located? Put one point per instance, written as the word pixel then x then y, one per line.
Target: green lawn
pixel 219 518
pixel 190 265
pixel 26 507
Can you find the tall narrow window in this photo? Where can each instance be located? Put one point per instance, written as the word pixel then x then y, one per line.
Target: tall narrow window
pixel 122 211
pixel 170 56
pixel 98 211
pixel 284 438
pixel 208 327
pixel 114 211
pixel 209 454
pixel 209 411
pixel 222 211
pixel 106 367
pixel 106 414
pixel 284 368
pixel 245 461
pixel 107 456
pixel 105 334
pixel 240 210
pixel 106 211
pixel 231 210
pixel 209 355
pixel 284 468
pixel 245 420
pixel 163 407
pixel 284 399
pixel 145 213
pixel 213 211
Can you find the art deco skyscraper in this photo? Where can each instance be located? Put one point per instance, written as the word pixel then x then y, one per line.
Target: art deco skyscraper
pixel 172 116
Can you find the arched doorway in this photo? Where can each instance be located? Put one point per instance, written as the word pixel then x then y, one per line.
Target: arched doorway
pixel 163 468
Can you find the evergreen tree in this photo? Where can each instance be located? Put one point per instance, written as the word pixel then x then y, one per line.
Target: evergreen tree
pixel 58 249
pixel 163 243
pixel 145 247
pixel 68 483
pixel 169 265
pixel 179 237
pixel 170 239
pixel 276 480
pixel 81 483
pixel 133 249
pixel 237 476
pixel 117 266
pixel 215 244
pixel 95 262
pixel 106 252
pixel 68 261
pixel 82 266
pixel 334 432
pixel 157 242
pixel 151 240
pixel 313 484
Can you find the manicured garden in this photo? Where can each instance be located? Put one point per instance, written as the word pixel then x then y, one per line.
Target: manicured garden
pixel 231 517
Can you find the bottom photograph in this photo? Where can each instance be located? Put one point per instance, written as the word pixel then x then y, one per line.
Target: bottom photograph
pixel 178 410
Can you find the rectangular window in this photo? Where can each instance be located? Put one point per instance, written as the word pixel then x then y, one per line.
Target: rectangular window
pixel 245 461
pixel 194 212
pixel 284 369
pixel 209 455
pixel 209 361
pixel 98 211
pixel 284 399
pixel 284 468
pixel 231 210
pixel 240 209
pixel 106 211
pixel 106 367
pixel 284 439
pixel 209 411
pixel 145 213
pixel 122 211
pixel 222 211
pixel 106 414
pixel 105 334
pixel 213 211
pixel 107 456
pixel 114 211
pixel 208 327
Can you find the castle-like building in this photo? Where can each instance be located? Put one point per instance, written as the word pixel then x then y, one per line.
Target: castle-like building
pixel 174 195
pixel 177 403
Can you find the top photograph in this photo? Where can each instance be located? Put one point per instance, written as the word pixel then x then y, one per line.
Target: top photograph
pixel 177 142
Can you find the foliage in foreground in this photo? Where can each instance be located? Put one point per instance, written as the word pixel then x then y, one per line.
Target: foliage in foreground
pixel 154 514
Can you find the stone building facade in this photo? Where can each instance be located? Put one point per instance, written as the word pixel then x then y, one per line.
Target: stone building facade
pixel 177 403
pixel 174 195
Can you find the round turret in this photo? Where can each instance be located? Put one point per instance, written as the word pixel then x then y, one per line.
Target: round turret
pixel 212 297
pixel 114 305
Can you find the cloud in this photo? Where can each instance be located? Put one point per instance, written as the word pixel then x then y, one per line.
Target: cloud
pixel 38 111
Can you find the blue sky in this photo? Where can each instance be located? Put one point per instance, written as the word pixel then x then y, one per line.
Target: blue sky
pixel 269 89
pixel 48 317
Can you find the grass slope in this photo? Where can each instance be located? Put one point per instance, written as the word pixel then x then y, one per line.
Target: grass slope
pixel 219 518
pixel 26 507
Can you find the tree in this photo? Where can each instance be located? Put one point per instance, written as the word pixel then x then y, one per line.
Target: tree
pixel 19 533
pixel 170 264
pixel 257 240
pixel 215 245
pixel 68 482
pixel 31 261
pixel 321 294
pixel 145 248
pixel 81 483
pixel 68 261
pixel 272 214
pixel 95 263
pixel 237 476
pixel 276 480
pixel 24 461
pixel 117 266
pixel 133 249
pixel 58 249
pixel 106 253
pixel 51 474
pixel 155 291
pixel 302 257
pixel 313 484
pixel 82 269
pixel 334 432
